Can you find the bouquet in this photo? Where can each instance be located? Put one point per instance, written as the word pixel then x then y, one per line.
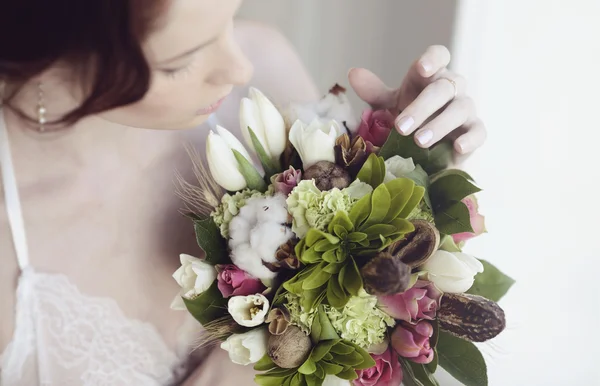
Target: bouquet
pixel 333 255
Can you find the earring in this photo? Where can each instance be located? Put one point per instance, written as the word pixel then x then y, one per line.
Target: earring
pixel 41 108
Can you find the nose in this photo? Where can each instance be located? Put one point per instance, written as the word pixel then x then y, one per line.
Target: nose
pixel 234 67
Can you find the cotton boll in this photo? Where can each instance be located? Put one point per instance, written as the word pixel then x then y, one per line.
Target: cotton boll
pixel 249 260
pixel 267 237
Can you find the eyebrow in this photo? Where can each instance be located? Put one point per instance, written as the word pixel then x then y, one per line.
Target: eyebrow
pixel 189 52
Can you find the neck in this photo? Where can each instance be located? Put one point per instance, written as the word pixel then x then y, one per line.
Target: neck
pixel 91 146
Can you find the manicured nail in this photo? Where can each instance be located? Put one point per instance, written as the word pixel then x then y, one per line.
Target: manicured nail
pixel 426 67
pixel 404 124
pixel 424 137
pixel 461 146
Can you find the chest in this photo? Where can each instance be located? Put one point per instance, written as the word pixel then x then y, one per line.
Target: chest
pixel 115 232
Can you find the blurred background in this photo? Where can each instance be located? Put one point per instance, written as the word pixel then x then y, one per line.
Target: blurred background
pixel 532 67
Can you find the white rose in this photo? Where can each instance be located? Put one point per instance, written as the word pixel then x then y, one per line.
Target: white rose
pixel 247 348
pixel 332 380
pixel 248 311
pixel 315 142
pixel 397 167
pixel 452 272
pixel 194 277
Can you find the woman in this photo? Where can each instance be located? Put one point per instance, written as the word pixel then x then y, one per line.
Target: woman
pixel 84 298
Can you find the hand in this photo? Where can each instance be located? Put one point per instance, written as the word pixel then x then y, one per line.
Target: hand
pixel 431 101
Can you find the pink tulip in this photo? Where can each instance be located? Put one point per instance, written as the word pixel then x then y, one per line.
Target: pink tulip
pixel 232 281
pixel 419 302
pixel 412 341
pixel 375 126
pixel 386 372
pixel 285 182
pixel 477 221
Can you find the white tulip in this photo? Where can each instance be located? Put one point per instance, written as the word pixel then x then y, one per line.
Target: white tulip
pixel 258 113
pixel 332 380
pixel 221 161
pixel 397 167
pixel 314 142
pixel 194 277
pixel 247 348
pixel 248 311
pixel 452 272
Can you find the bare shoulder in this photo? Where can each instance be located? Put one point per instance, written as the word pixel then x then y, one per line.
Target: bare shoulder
pixel 278 67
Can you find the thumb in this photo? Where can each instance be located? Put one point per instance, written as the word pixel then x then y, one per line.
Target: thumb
pixel 371 89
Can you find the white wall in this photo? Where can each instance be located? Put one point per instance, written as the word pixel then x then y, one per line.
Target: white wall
pixel 332 36
pixel 533 67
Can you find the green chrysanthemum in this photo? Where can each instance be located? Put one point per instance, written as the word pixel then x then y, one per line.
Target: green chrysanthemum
pixel 360 321
pixel 299 316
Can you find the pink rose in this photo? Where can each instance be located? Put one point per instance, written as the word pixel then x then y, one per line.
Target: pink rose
pixel 412 341
pixel 477 221
pixel 386 372
pixel 285 182
pixel 419 302
pixel 375 126
pixel 232 281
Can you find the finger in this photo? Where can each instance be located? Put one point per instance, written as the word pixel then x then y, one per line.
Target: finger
pixel 458 113
pixel 472 139
pixel 434 59
pixel 435 96
pixel 371 89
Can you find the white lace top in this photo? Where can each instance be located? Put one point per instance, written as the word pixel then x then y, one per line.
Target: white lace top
pixel 63 337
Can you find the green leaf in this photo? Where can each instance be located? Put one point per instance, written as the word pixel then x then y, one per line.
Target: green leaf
pixel 449 172
pixel 265 159
pixel 321 328
pixel 492 284
pixel 401 191
pixel 454 219
pixel 360 211
pixel 380 205
pixel 209 239
pixel 251 175
pixel 416 374
pixel 373 171
pixel 336 297
pixel 432 160
pixel 265 364
pixel 415 199
pixel 331 368
pixel 448 244
pixel 322 348
pixel 207 306
pixel 462 360
pixel 348 374
pixel 308 367
pixel 449 189
pixel 352 279
pixel 420 178
pixel 317 279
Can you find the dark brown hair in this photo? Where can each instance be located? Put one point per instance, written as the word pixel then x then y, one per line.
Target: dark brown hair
pixel 100 39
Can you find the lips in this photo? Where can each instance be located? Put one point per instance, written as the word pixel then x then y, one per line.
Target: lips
pixel 212 108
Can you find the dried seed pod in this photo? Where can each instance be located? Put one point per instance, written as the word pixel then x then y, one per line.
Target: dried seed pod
pixel 471 317
pixel 279 321
pixel 327 175
pixel 418 246
pixel 385 275
pixel 291 349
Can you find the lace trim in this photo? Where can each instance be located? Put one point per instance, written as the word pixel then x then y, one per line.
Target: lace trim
pixel 66 337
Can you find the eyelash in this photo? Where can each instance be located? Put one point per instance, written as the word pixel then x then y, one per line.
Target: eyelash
pixel 175 73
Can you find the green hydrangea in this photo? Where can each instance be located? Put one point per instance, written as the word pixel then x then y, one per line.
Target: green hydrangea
pixel 230 207
pixel 360 321
pixel 312 208
pixel 298 315
pixel 421 212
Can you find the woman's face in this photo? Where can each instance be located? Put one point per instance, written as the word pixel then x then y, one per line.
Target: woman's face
pixel 195 63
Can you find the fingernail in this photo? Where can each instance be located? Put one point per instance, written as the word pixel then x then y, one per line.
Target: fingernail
pixel 404 124
pixel 426 67
pixel 424 137
pixel 350 70
pixel 461 146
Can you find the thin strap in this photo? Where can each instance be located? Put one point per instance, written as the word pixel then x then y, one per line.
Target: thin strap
pixel 11 194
